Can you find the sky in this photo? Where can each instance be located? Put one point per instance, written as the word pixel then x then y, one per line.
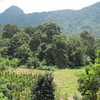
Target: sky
pixel 30 6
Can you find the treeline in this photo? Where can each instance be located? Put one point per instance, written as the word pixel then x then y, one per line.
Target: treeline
pixel 44 45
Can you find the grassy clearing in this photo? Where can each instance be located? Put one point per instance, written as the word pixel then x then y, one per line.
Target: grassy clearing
pixel 66 80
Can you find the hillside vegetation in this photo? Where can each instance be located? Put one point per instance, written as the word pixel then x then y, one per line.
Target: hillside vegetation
pixel 71 21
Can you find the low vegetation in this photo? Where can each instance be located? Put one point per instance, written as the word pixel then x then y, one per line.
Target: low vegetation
pixel 15 86
pixel 43 88
pixel 89 83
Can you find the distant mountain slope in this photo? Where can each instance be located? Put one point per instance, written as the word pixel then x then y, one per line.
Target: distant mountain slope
pixel 70 21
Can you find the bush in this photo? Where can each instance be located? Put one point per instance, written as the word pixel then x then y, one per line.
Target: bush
pixel 2 97
pixel 33 61
pixel 4 63
pixel 43 88
pixel 23 66
pixel 15 62
pixel 3 66
pixel 89 84
pixel 51 68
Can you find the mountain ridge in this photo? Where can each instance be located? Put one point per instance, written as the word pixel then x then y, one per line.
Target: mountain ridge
pixel 70 21
pixel 13 9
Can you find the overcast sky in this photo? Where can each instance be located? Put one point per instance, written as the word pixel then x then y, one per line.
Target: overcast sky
pixel 29 6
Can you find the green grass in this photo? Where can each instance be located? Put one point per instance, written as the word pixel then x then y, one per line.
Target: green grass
pixel 66 81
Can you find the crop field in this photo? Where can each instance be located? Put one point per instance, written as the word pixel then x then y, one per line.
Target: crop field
pixel 66 79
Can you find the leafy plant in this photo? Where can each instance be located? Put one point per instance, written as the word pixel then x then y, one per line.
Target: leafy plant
pixel 43 88
pixel 89 84
pixel 51 68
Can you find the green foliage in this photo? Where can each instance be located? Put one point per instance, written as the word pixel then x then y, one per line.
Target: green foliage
pixel 2 97
pixel 6 63
pixel 20 39
pixel 89 84
pixel 15 62
pixel 38 38
pixel 57 95
pixel 23 53
pixel 33 45
pixel 4 43
pixel 51 68
pixel 45 41
pixel 55 52
pixel 43 88
pixel 15 86
pixel 33 62
pixel 10 30
pixel 23 66
pixel 16 42
pixel 75 52
pixel 89 44
pixel 50 29
pixel 30 30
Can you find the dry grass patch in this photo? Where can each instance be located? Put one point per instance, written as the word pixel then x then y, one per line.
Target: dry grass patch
pixel 26 71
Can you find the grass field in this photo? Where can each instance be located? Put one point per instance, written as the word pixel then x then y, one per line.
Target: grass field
pixel 66 80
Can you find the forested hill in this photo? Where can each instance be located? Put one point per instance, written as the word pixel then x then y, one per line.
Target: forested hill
pixel 70 21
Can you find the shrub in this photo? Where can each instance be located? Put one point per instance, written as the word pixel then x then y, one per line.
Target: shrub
pixel 15 62
pixel 43 88
pixel 4 63
pixel 33 61
pixel 2 97
pixel 51 68
pixel 23 66
pixel 89 84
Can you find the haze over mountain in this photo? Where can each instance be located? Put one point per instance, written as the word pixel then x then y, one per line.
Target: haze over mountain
pixel 71 21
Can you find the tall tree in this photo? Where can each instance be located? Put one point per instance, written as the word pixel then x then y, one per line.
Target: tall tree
pixel 23 53
pixel 50 29
pixel 38 38
pixel 30 30
pixel 75 52
pixel 16 41
pixel 89 43
pixel 55 53
pixel 9 30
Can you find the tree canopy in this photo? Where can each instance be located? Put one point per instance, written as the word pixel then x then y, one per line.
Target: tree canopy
pixel 47 45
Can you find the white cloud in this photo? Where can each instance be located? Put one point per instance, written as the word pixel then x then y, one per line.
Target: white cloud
pixel 45 5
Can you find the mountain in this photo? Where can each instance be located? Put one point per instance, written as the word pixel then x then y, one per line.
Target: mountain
pixel 71 21
pixel 13 10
